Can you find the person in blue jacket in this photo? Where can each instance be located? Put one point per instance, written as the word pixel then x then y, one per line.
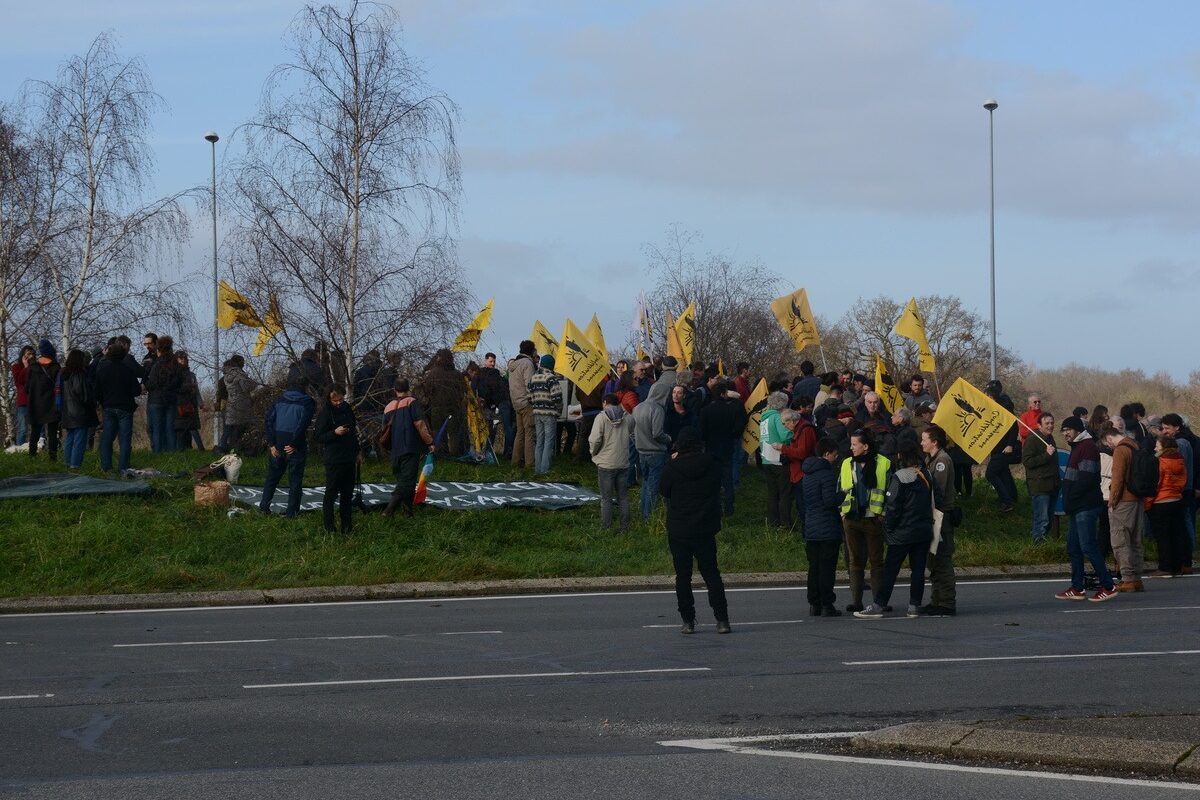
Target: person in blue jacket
pixel 822 527
pixel 286 433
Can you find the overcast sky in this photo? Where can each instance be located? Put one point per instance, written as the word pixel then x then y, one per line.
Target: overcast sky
pixel 841 144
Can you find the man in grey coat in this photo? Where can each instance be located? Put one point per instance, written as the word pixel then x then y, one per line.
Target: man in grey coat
pixel 942 601
pixel 653 446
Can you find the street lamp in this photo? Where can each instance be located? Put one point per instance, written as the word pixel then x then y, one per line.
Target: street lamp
pixel 212 138
pixel 992 105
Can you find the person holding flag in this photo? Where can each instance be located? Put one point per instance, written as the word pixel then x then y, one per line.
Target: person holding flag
pixel 410 439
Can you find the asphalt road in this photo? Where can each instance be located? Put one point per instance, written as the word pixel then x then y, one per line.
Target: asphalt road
pixel 558 695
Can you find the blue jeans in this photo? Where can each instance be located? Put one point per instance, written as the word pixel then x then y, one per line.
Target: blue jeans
pixel 22 420
pixel 739 460
pixel 162 428
pixel 545 431
pixel 73 447
pixel 293 465
pixel 118 424
pixel 508 421
pixel 1041 516
pixel 1081 541
pixel 651 465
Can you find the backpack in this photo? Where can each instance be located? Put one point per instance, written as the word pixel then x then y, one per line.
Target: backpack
pixel 1142 479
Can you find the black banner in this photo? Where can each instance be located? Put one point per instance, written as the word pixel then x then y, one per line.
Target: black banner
pixel 451 495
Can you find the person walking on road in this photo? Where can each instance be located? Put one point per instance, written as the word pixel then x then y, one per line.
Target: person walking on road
pixel 1125 515
pixel 863 479
pixel 908 529
pixel 1083 501
pixel 942 594
pixel 691 483
pixel 822 527
pixel 337 430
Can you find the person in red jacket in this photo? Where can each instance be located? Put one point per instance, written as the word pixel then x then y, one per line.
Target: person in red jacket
pixel 1166 509
pixel 20 372
pixel 1029 418
pixel 802 445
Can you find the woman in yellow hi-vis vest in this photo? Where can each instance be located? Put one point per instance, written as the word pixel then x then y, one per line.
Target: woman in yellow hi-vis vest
pixel 864 480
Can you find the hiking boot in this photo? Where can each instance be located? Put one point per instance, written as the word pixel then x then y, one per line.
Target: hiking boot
pixel 1071 594
pixel 1102 595
pixel 830 611
pixel 723 626
pixel 1131 586
pixel 688 626
pixel 814 611
pixel 913 612
pixel 870 612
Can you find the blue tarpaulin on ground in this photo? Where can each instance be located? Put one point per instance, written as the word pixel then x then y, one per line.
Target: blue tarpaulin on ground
pixel 64 484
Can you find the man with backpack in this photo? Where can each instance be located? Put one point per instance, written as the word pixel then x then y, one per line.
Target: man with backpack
pixel 286 433
pixel 1134 477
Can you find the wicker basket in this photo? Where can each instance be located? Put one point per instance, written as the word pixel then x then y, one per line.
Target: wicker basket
pixel 212 493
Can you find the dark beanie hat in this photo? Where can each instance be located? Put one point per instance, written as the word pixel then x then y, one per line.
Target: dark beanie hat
pixel 689 441
pixel 547 362
pixel 669 362
pixel 45 349
pixel 1074 423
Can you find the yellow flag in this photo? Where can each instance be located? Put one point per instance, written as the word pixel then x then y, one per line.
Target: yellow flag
pixel 596 336
pixel 641 354
pixel 477 427
pixel 272 326
pixel 674 347
pixel 755 404
pixel 234 309
pixel 911 325
pixel 974 421
pixel 685 330
pixel 721 368
pixel 885 386
pixel 796 317
pixel 468 340
pixel 542 340
pixel 578 360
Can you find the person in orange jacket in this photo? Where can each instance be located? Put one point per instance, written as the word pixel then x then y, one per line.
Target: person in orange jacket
pixel 1166 508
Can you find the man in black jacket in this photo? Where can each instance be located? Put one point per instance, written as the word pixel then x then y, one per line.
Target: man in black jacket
pixel 721 425
pixel 117 389
pixel 492 388
pixel 337 430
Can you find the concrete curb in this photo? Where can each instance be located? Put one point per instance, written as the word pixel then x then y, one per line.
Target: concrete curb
pixel 994 741
pixel 401 591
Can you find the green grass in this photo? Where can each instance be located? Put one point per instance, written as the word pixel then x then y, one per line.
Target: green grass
pixel 164 543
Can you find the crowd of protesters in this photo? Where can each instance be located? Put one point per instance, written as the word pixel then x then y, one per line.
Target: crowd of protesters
pixel 838 466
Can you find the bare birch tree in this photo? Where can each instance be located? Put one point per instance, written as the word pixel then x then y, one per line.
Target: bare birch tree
pixel 97 237
pixel 347 194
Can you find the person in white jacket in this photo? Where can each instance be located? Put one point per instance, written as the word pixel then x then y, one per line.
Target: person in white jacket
pixel 609 445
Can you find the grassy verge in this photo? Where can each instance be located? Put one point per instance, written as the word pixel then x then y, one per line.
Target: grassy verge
pixel 165 543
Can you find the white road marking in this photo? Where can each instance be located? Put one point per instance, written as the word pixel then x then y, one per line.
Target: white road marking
pixel 301 639
pixel 480 598
pixel 730 746
pixel 737 624
pixel 24 696
pixel 1018 658
pixel 1139 608
pixel 436 678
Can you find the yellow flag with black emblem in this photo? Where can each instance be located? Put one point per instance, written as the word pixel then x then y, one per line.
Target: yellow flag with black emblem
pixel 796 318
pixel 578 360
pixel 911 325
pixel 271 326
pixel 542 340
pixel 885 386
pixel 595 335
pixel 756 403
pixel 468 340
pixel 685 330
pixel 972 420
pixel 233 308
pixel 674 347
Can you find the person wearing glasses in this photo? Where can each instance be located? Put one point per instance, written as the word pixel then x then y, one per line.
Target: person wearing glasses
pixel 1030 417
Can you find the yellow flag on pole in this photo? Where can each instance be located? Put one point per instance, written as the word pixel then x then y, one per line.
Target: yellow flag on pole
pixel 234 309
pixel 885 386
pixel 972 420
pixel 542 340
pixel 685 330
pixel 795 316
pixel 271 326
pixel 755 404
pixel 911 325
pixel 596 336
pixel 674 347
pixel 578 360
pixel 477 427
pixel 468 340
pixel 721 368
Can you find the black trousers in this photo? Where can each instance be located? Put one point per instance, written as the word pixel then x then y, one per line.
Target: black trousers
pixel 916 555
pixel 705 555
pixel 1168 526
pixel 822 566
pixel 339 486
pixel 35 433
pixel 404 470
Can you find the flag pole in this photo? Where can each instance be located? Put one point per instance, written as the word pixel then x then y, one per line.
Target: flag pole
pixel 824 363
pixel 1023 424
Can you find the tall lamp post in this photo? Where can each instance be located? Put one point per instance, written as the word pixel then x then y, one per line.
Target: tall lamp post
pixel 991 106
pixel 212 138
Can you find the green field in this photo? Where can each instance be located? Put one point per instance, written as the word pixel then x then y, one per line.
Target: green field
pixel 164 543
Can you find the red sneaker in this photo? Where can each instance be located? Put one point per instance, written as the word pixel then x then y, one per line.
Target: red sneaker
pixel 1103 594
pixel 1071 594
